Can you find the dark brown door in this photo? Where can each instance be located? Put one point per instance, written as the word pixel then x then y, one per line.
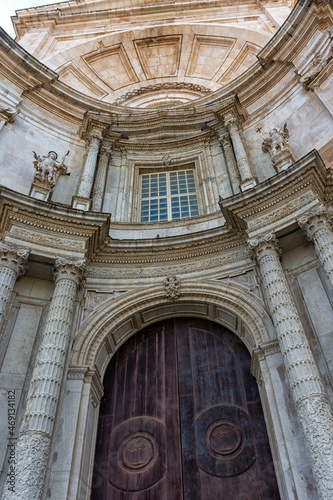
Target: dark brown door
pixel 181 419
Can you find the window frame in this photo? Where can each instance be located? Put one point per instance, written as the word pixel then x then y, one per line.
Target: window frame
pixel 168 170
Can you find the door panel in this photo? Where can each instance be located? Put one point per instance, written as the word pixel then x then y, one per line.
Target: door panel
pixel 181 419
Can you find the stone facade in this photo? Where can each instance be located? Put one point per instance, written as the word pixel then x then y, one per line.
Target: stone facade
pixel 146 88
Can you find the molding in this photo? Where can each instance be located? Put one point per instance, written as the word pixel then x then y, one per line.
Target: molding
pixel 298 188
pixel 49 229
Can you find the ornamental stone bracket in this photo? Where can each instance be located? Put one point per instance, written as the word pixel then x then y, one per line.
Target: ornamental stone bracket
pixel 310 76
pixel 280 201
pixel 9 107
pixel 48 229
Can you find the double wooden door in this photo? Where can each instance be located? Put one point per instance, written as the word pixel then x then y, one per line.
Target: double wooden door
pixel 181 419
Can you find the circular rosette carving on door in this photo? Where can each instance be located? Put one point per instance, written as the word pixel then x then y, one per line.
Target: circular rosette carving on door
pixel 225 444
pixel 137 456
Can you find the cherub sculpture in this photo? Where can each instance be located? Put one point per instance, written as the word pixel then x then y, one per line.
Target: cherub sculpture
pixel 276 143
pixel 48 169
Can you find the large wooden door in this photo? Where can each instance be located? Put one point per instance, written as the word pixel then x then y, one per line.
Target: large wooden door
pixel 181 419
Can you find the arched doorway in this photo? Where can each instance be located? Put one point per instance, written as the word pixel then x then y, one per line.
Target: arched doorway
pixel 181 419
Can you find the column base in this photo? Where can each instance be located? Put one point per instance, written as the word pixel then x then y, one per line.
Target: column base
pixel 81 203
pixel 248 184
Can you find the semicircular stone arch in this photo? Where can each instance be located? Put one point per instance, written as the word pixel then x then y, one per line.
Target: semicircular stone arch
pixel 233 306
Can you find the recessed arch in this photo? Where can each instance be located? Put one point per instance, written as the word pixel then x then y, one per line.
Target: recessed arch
pixel 231 305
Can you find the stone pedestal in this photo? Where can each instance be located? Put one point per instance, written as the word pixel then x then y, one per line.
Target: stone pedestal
pixel 34 442
pixel 311 403
pixel 318 228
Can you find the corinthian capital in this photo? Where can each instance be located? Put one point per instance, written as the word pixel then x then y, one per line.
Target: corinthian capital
pixel 263 246
pixel 69 269
pixel 231 121
pixel 14 258
pixel 315 220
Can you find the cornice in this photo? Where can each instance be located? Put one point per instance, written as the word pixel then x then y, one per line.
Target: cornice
pixel 72 12
pixel 164 251
pixel 283 196
pixel 47 228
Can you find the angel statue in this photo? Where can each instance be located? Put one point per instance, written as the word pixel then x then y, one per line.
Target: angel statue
pixel 276 143
pixel 48 169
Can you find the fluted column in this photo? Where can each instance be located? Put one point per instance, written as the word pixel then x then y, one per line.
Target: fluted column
pixel 33 445
pixel 234 176
pixel 247 178
pixel 318 228
pixel 99 185
pixel 82 200
pixel 311 403
pixel 12 266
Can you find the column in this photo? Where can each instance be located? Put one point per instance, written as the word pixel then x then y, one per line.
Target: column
pixel 235 179
pixel 12 266
pixel 318 228
pixel 82 200
pixel 99 185
pixel 34 442
pixel 247 179
pixel 311 403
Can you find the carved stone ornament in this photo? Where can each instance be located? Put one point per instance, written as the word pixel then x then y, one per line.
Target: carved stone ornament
pixel 47 171
pixel 276 143
pixel 172 287
pixel 318 228
pixel 8 115
pixel 13 258
pixel 13 263
pixel 164 86
pixel 318 64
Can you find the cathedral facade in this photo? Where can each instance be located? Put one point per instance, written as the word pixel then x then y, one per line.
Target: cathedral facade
pixel 166 253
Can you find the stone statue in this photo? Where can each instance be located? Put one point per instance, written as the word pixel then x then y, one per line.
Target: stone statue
pixel 276 143
pixel 48 168
pixel 47 171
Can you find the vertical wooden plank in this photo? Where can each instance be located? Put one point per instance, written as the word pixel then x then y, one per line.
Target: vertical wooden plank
pixel 191 484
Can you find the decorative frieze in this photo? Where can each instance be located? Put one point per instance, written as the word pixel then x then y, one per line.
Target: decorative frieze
pixel 42 400
pixel 318 228
pixel 312 406
pixel 12 265
pixel 247 178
